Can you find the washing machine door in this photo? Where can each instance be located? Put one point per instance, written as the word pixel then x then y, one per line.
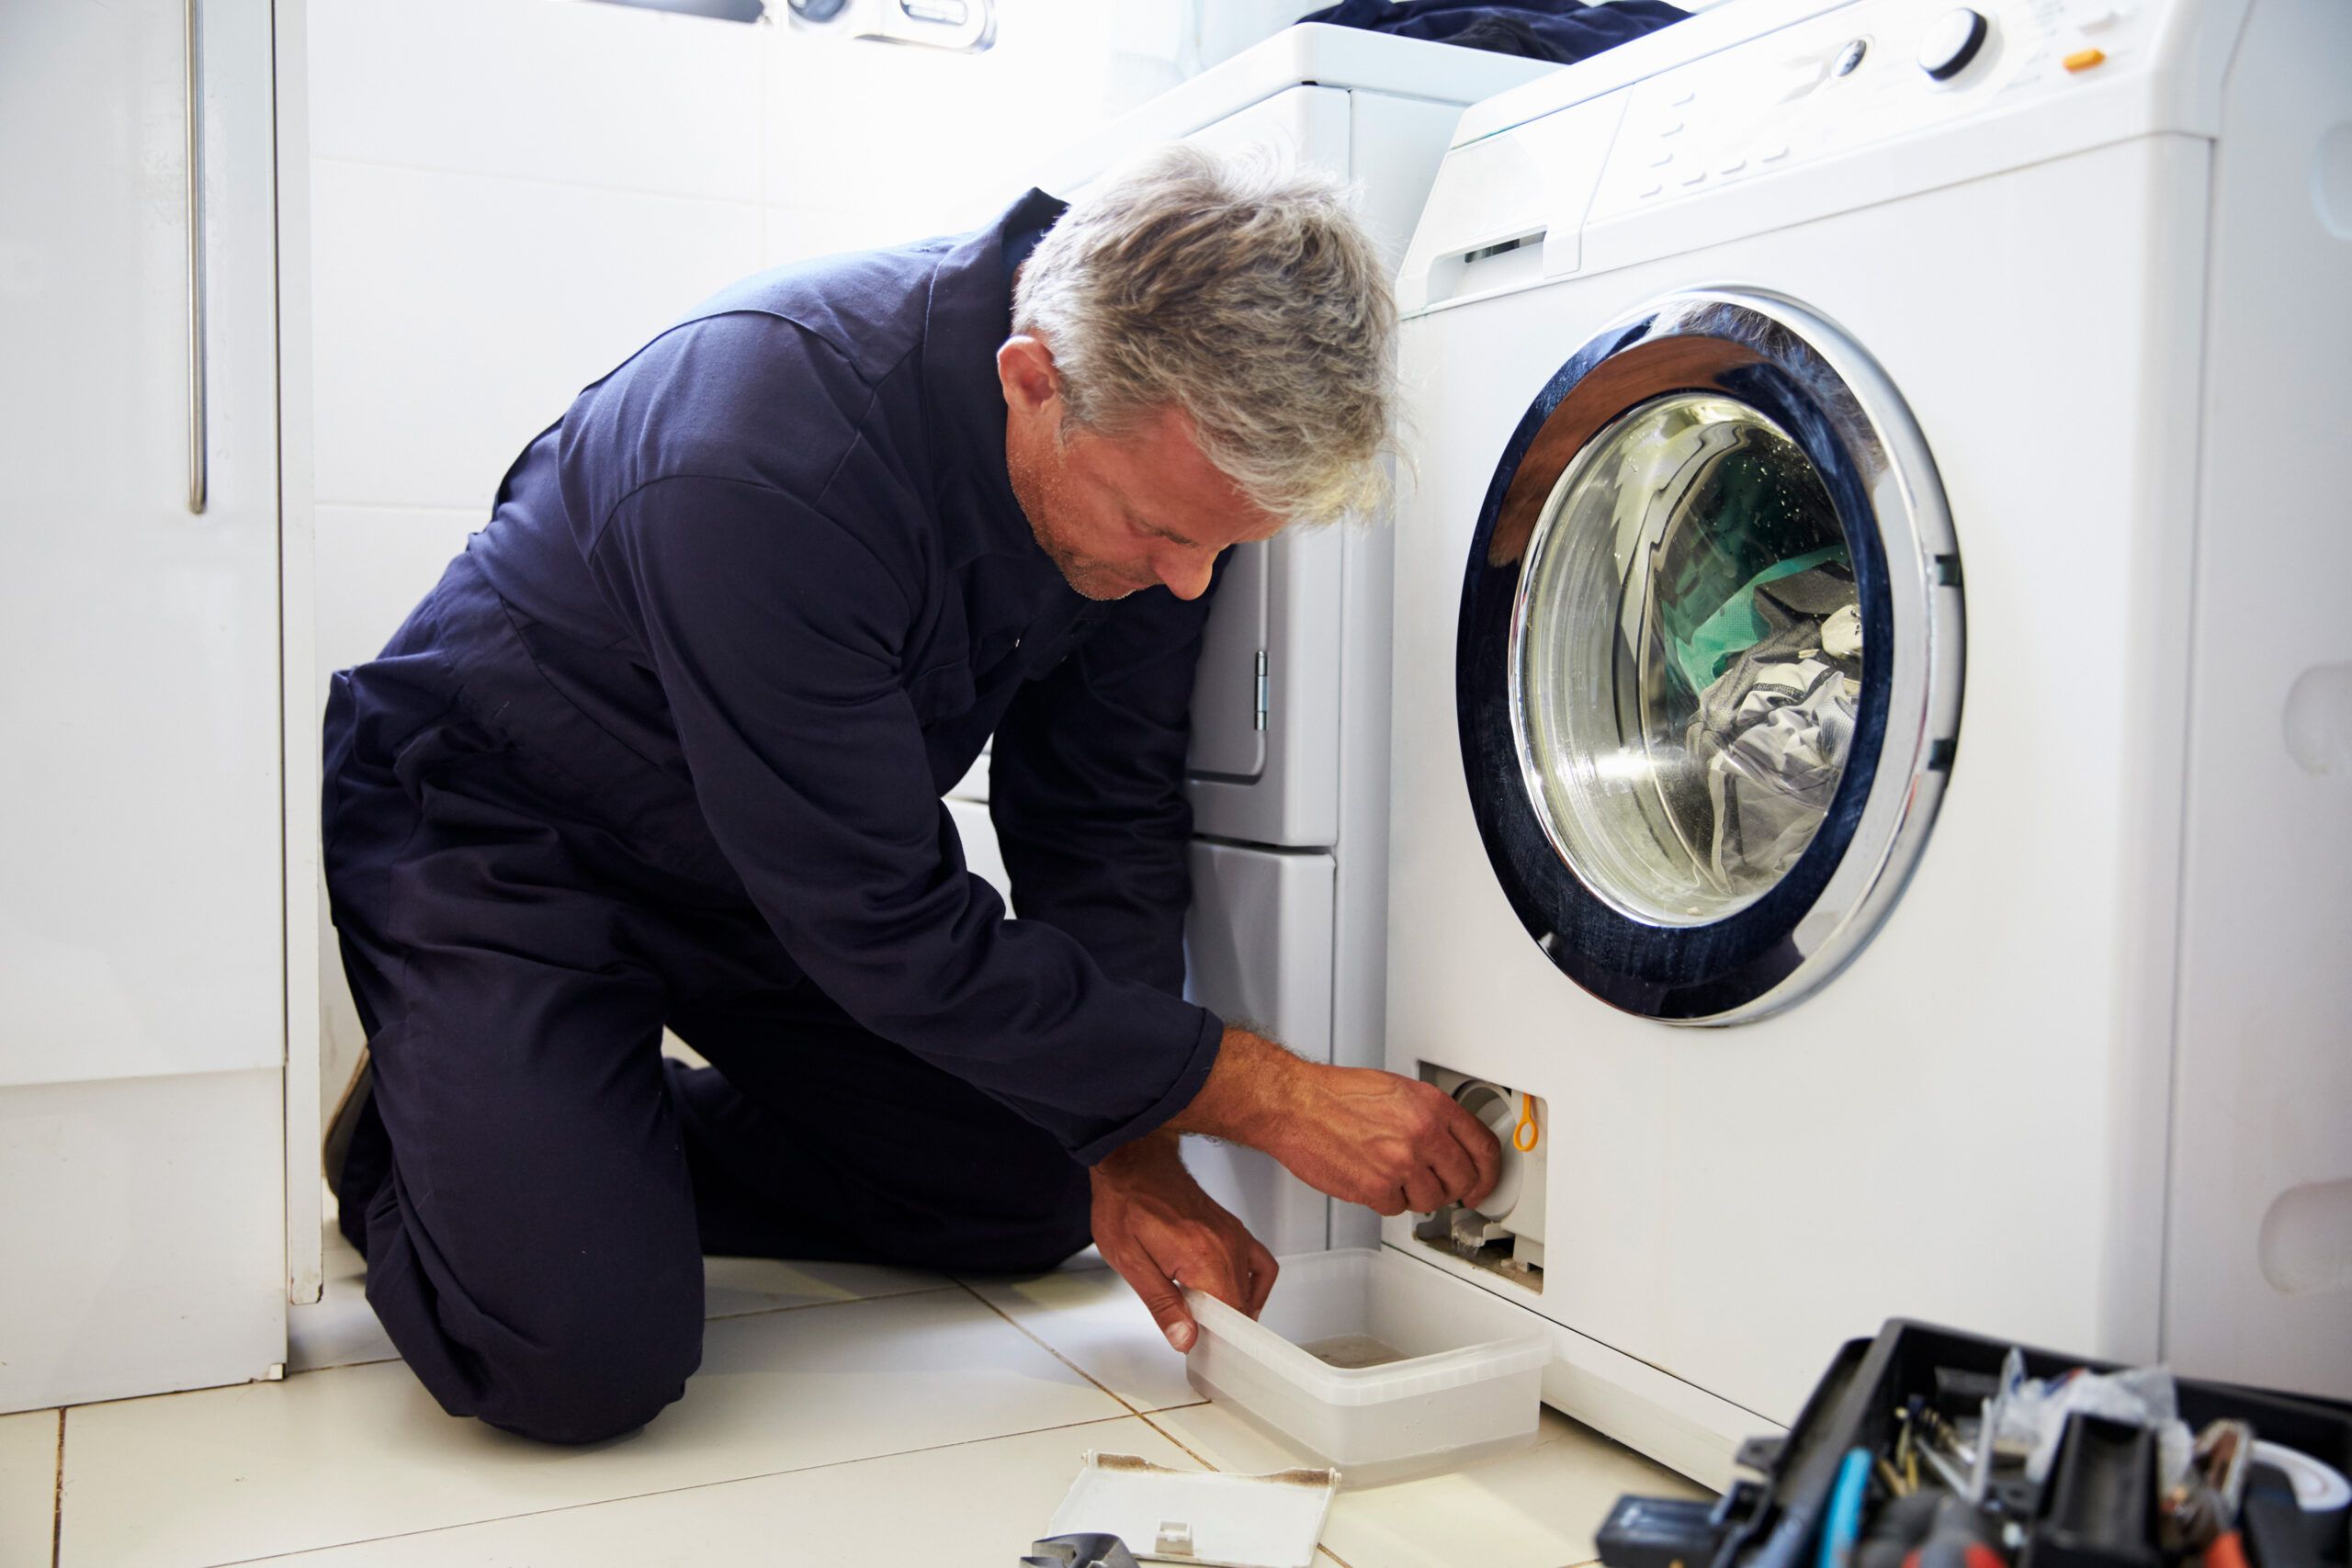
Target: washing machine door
pixel 1709 659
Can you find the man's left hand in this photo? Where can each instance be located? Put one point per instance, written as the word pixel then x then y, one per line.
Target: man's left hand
pixel 1158 1228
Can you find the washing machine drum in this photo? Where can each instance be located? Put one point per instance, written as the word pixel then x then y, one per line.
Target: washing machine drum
pixel 1709 660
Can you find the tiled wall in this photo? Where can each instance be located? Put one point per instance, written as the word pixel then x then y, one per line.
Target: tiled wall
pixel 510 196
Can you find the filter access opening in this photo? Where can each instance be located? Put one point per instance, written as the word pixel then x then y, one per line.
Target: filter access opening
pixel 1504 1234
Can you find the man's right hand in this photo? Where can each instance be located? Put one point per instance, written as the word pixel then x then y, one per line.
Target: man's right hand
pixel 1370 1137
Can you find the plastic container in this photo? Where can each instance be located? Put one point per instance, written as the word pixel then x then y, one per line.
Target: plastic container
pixel 1379 1365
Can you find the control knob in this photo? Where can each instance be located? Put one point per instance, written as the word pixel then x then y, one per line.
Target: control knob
pixel 1952 40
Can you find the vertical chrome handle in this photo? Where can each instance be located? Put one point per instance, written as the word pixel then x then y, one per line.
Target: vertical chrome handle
pixel 199 435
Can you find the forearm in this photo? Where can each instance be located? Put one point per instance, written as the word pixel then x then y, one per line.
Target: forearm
pixel 1250 1090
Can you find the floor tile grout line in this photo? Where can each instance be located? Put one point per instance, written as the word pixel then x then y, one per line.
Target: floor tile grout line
pixel 672 1491
pixel 846 1301
pixel 57 1497
pixel 721 1317
pixel 1121 1400
pixel 1182 1445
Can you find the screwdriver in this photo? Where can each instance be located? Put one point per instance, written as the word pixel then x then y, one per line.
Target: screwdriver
pixel 1955 1540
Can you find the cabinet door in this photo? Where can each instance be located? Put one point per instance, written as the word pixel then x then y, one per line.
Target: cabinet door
pixel 140 870
pixel 1258 948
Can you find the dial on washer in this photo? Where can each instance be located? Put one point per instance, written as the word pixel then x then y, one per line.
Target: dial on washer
pixel 1952 40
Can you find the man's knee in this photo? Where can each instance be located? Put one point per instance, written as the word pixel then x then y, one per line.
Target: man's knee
pixel 596 1374
pixel 562 1349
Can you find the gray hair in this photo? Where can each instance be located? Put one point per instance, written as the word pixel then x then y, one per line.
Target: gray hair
pixel 1242 292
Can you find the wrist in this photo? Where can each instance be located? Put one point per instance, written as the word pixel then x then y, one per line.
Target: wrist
pixel 1247 1093
pixel 1151 1155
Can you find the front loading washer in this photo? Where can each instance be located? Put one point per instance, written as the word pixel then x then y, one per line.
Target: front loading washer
pixel 1872 763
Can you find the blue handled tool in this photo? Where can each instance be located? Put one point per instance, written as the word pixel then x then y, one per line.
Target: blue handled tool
pixel 1844 1524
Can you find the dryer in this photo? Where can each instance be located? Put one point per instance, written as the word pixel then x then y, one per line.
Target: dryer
pixel 1288 769
pixel 1873 720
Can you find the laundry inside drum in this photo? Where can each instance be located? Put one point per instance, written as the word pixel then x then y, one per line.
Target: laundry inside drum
pixel 1687 658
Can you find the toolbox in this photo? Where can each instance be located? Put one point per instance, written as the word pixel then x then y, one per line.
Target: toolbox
pixel 1834 1491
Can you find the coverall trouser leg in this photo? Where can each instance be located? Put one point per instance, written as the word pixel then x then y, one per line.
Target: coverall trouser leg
pixel 532 1185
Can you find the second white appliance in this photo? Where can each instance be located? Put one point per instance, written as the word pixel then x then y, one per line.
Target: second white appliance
pixel 1290 716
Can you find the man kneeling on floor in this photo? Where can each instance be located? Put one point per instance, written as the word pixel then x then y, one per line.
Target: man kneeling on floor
pixel 665 747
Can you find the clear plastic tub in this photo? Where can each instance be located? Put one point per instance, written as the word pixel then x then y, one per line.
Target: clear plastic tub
pixel 1378 1364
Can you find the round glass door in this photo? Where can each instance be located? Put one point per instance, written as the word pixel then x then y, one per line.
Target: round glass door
pixel 1686 659
pixel 1709 670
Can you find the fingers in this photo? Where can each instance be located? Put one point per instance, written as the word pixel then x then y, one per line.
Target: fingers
pixel 1485 1155
pixel 1159 1296
pixel 1424 1194
pixel 1219 1269
pixel 1262 1269
pixel 1451 1163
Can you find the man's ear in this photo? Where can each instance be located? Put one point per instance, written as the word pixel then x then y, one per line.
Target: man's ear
pixel 1024 367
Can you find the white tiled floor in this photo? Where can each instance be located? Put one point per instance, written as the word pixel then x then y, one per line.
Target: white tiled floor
pixel 27 1486
pixel 841 1414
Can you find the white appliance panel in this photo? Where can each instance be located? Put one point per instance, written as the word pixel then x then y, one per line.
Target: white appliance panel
pixel 982 855
pixel 1230 707
pixel 141 899
pixel 1728 1206
pixel 2259 1262
pixel 143 863
pixel 148 1260
pixel 1394 146
pixel 1259 942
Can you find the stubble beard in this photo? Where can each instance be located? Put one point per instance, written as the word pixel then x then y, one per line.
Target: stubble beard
pixel 1090 579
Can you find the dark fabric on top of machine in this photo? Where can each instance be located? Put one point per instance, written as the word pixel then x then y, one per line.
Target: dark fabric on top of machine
pixel 1560 30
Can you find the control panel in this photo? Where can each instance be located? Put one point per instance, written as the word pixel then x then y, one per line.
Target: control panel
pixel 1861 75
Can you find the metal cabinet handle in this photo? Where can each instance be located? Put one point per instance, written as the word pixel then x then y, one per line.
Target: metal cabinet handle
pixel 198 433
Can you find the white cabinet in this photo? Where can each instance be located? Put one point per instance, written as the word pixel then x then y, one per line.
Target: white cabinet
pixel 1258 948
pixel 143 928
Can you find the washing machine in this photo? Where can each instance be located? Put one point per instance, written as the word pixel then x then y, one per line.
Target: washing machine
pixel 1288 769
pixel 1873 709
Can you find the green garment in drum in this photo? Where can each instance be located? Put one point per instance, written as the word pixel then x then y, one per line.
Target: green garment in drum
pixel 1737 624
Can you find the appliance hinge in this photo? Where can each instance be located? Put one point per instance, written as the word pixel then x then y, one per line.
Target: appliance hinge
pixel 1259 718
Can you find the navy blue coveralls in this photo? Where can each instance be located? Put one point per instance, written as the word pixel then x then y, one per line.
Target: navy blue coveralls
pixel 666 747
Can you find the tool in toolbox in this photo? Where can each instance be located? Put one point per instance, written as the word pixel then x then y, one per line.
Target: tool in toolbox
pixel 1928 1447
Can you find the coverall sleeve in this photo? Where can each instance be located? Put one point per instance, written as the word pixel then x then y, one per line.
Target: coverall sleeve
pixel 777 637
pixel 1086 787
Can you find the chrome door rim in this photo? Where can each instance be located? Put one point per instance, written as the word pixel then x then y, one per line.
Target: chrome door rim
pixel 1804 374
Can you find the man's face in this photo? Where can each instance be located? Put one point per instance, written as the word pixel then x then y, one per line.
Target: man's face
pixel 1117 513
